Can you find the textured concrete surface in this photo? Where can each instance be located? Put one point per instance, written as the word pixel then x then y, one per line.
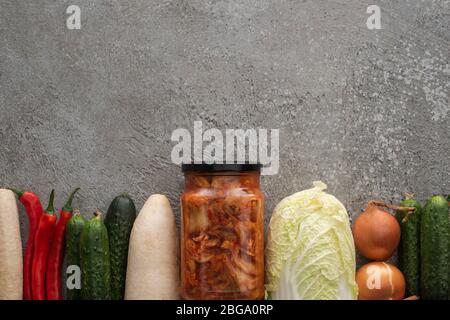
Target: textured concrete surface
pixel 365 111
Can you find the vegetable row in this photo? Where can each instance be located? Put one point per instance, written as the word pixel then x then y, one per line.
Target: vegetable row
pixel 310 250
pixel 421 236
pixel 40 277
pixel 97 251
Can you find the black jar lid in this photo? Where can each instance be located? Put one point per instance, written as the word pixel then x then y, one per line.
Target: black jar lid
pixel 220 167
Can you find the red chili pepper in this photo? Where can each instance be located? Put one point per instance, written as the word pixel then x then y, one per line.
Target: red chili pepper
pixel 34 210
pixel 56 255
pixel 42 242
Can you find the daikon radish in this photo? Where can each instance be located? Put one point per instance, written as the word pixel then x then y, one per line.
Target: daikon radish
pixel 11 265
pixel 153 255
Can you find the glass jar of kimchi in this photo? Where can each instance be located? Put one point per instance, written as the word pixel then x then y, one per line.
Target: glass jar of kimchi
pixel 222 236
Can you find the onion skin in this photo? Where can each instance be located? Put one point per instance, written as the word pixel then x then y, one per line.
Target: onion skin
pixel 380 281
pixel 376 233
pixel 412 298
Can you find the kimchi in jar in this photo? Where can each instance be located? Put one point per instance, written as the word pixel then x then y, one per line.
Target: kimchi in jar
pixel 222 237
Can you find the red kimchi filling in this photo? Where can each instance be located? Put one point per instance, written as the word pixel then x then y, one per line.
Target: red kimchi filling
pixel 223 240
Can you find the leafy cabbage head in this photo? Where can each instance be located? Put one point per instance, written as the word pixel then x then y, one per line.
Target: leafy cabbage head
pixel 310 252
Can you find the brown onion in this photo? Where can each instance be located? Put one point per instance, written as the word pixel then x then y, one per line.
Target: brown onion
pixel 376 232
pixel 380 281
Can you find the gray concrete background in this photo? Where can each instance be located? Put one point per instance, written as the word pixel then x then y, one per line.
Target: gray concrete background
pixel 365 111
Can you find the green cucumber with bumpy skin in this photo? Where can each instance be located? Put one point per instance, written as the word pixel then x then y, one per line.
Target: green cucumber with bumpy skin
pixel 119 222
pixel 95 261
pixel 448 297
pixel 73 236
pixel 435 249
pixel 409 248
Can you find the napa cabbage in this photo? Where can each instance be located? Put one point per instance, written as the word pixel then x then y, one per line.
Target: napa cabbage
pixel 310 254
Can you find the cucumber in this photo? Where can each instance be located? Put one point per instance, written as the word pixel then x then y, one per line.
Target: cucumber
pixel 95 261
pixel 409 248
pixel 435 247
pixel 73 235
pixel 119 222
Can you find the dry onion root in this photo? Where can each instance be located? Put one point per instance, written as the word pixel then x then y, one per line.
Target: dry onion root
pixel 391 206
